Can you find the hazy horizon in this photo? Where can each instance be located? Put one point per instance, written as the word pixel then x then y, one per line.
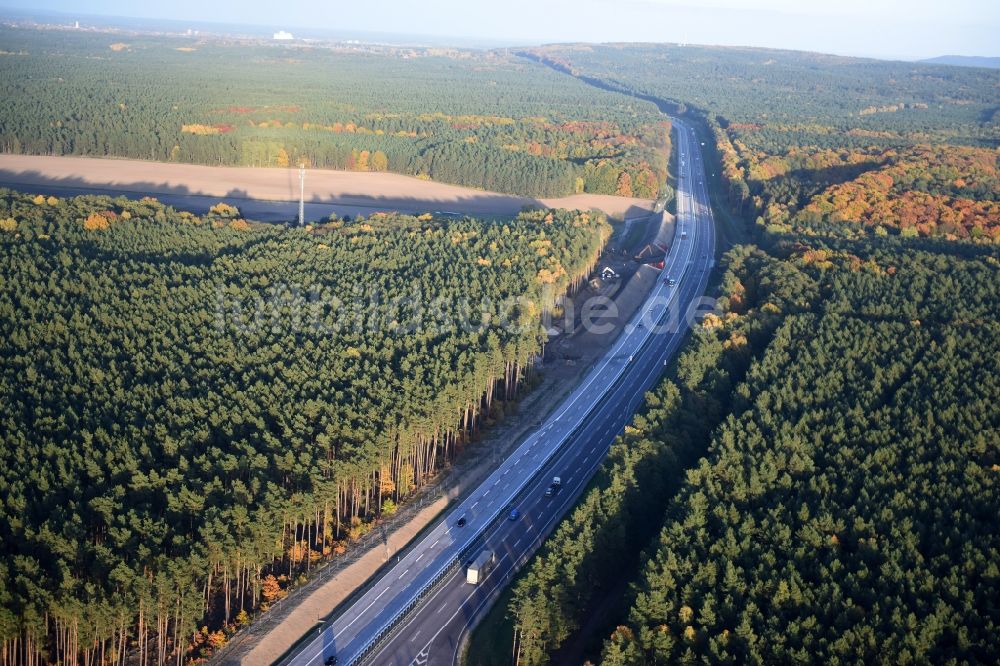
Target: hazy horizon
pixel 850 27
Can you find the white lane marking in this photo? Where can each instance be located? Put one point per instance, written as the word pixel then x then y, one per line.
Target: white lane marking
pixel 418 557
pixel 597 375
pixel 403 574
pixel 496 566
pixel 517 543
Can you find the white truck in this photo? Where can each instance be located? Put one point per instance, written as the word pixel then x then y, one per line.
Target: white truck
pixel 556 484
pixel 479 567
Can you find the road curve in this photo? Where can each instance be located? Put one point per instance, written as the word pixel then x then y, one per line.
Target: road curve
pixel 417 611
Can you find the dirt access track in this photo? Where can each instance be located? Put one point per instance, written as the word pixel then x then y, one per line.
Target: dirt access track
pixel 272 194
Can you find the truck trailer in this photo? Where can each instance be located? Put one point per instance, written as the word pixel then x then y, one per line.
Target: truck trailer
pixel 479 567
pixel 556 484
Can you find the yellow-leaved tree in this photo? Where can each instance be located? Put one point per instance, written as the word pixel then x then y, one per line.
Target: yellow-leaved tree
pixel 379 161
pixel 96 222
pixel 362 163
pixel 624 188
pixel 283 158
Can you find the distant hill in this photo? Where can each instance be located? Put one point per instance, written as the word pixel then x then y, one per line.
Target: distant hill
pixel 965 61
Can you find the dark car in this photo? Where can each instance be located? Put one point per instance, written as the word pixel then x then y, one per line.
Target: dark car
pixel 514 514
pixel 331 660
pixel 460 522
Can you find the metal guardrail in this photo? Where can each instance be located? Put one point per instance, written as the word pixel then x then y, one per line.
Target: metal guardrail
pixel 551 526
pixel 444 569
pixel 327 568
pixel 392 628
pixel 472 543
pixel 387 629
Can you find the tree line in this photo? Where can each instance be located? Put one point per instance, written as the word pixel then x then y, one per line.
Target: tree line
pixel 801 138
pixel 482 119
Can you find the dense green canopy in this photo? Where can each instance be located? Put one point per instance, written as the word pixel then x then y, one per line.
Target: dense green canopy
pixel 846 505
pixel 192 404
pixel 846 509
pixel 843 400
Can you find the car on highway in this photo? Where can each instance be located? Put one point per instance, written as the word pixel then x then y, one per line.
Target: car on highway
pixel 514 514
pixel 670 282
pixel 330 661
pixel 460 522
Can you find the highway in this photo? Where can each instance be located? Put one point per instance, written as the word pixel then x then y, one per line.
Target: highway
pixel 418 610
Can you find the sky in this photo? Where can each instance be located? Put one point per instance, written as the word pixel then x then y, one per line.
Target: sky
pixel 899 29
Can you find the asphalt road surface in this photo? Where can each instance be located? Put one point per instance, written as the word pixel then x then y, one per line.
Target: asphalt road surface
pixel 417 612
